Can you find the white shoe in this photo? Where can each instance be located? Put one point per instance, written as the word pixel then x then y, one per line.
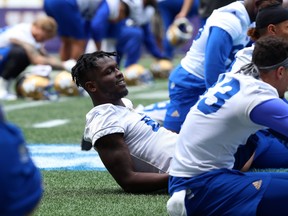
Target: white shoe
pixel 4 90
pixel 8 97
pixel 176 204
pixel 69 64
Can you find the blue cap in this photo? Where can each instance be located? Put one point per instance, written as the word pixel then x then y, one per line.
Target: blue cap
pixel 20 180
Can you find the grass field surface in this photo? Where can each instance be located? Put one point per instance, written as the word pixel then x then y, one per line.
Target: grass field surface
pixel 82 192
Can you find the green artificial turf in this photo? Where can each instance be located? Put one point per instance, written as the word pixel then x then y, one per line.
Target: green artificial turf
pixel 94 193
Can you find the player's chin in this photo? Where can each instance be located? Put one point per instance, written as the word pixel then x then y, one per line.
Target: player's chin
pixel 124 92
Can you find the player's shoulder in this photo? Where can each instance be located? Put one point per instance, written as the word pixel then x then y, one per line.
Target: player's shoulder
pixel 233 17
pixel 254 86
pixel 247 51
pixel 102 109
pixel 105 110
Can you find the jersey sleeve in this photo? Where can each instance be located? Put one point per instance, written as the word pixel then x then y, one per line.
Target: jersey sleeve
pixel 233 27
pixel 276 115
pixel 216 53
pixel 102 122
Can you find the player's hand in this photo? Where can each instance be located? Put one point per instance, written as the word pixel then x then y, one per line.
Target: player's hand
pixel 85 145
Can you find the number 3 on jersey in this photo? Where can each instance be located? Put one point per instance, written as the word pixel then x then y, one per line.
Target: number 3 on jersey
pixel 213 103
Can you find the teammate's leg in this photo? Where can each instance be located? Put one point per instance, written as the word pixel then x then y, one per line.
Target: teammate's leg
pixel 270 151
pixel 129 43
pixel 274 200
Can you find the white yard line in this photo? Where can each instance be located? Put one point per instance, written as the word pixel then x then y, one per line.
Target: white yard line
pixel 65 157
pixel 51 123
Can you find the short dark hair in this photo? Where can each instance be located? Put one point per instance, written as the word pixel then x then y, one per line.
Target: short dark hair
pixel 87 63
pixel 269 51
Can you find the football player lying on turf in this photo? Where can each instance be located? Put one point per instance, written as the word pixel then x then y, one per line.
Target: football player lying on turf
pixel 132 146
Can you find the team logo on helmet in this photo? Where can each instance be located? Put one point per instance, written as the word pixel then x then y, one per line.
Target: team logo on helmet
pixel 136 74
pixel 161 68
pixel 34 87
pixel 64 85
pixel 179 32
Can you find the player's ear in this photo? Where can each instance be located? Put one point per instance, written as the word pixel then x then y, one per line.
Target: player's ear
pixel 280 72
pixel 91 86
pixel 271 29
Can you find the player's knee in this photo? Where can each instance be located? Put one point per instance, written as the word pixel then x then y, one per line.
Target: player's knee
pixel 19 54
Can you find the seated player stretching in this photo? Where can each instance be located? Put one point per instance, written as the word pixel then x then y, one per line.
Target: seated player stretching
pixel 133 147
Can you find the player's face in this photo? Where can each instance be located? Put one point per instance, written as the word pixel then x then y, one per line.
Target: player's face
pixel 281 29
pixel 39 34
pixel 110 80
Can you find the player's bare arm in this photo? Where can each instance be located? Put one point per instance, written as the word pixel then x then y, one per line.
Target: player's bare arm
pixel 115 156
pixel 36 57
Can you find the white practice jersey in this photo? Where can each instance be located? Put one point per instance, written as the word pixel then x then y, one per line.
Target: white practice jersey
pixel 151 146
pixel 21 32
pixel 138 13
pixel 113 8
pixel 232 18
pixel 242 57
pixel 219 122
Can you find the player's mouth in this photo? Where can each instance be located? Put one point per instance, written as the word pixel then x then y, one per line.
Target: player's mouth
pixel 121 82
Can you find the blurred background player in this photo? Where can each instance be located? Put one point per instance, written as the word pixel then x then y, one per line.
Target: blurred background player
pixel 20 180
pixel 169 11
pixel 104 20
pixel 143 22
pixel 210 54
pixel 128 35
pixel 73 18
pixel 35 34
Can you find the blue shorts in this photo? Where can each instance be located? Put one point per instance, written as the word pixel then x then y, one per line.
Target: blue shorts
pixel 69 19
pixel 184 92
pixel 20 180
pixel 222 192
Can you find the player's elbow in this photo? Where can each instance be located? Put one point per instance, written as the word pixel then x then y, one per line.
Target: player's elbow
pixel 130 187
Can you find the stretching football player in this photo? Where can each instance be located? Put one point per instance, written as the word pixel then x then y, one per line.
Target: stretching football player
pixel 133 147
pixel 202 180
